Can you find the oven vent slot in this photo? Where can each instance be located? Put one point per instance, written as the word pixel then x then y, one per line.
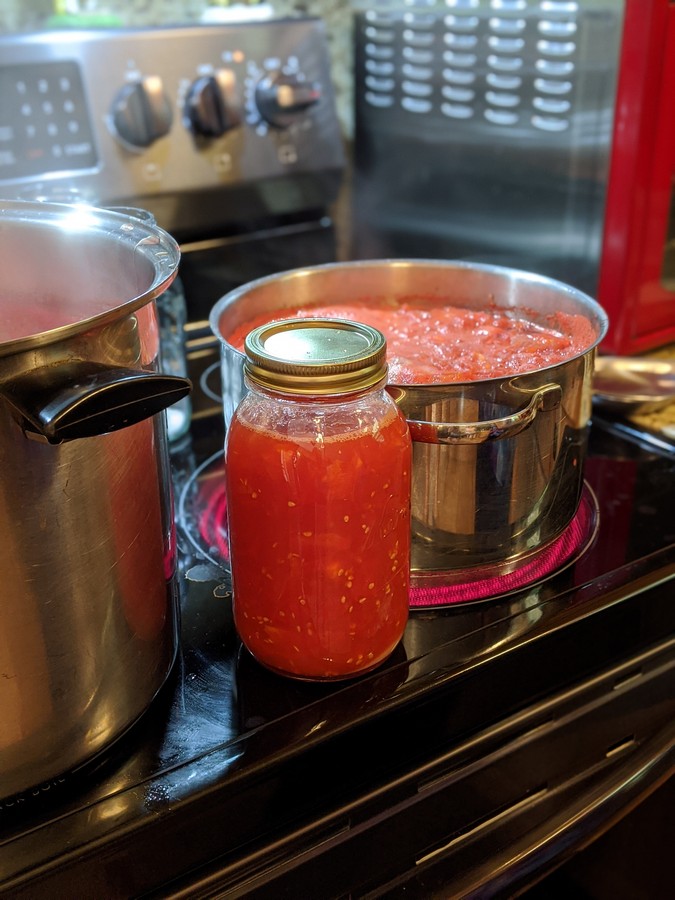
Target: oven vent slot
pixel 627 677
pixel 622 746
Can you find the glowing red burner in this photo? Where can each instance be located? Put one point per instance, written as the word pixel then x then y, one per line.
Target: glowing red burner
pixel 212 520
pixel 204 514
pixel 550 560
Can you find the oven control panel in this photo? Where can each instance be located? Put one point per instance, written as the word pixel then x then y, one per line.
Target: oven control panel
pixel 189 122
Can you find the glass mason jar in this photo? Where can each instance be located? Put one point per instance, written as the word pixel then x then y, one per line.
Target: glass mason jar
pixel 318 465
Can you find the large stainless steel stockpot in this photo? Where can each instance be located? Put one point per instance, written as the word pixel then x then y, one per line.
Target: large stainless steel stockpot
pixel 497 463
pixel 88 608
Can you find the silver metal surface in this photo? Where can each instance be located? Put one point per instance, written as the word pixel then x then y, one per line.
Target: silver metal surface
pixel 547 397
pixel 629 384
pixel 483 132
pixel 491 501
pixel 88 612
pixel 75 102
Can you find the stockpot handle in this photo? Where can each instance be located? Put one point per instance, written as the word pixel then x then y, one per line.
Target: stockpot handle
pixel 546 397
pixel 83 399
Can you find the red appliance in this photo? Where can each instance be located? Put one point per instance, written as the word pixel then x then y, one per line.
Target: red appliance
pixel 637 275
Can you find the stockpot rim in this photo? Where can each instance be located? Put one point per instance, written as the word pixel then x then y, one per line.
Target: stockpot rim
pixel 588 304
pixel 161 249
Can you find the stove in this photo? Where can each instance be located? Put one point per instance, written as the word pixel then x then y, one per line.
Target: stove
pixel 511 725
pixel 203 507
pixel 502 730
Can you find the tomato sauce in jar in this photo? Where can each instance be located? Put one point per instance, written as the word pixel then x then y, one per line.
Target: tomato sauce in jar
pixel 318 493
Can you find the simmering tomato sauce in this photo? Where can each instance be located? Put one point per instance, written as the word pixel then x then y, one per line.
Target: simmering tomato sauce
pixel 433 343
pixel 320 539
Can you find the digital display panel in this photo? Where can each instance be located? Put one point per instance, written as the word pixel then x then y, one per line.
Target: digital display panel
pixel 44 124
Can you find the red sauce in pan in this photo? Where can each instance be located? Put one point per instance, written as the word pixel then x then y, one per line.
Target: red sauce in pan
pixel 433 343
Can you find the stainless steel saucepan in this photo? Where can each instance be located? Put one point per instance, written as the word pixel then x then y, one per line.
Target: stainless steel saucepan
pixel 630 385
pixel 497 463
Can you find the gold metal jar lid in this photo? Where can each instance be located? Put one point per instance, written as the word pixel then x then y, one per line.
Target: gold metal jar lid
pixel 316 356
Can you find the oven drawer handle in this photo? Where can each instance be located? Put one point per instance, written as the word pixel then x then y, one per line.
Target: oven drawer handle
pixel 545 398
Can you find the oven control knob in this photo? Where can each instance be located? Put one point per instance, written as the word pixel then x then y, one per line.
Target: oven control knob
pixel 141 112
pixel 282 100
pixel 210 106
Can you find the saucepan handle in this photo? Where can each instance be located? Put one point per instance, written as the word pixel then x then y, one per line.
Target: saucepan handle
pixel 546 398
pixel 82 398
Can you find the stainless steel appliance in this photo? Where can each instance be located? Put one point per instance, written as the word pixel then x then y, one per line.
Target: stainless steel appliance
pixel 228 135
pixel 526 133
pixel 503 734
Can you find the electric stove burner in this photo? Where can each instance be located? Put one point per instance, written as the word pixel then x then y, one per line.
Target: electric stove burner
pixel 209 382
pixel 202 511
pixel 544 563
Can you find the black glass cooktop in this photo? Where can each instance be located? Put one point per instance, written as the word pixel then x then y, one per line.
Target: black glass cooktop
pixel 230 759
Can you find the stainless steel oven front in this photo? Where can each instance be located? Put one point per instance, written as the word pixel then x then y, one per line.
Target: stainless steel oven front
pixel 227 134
